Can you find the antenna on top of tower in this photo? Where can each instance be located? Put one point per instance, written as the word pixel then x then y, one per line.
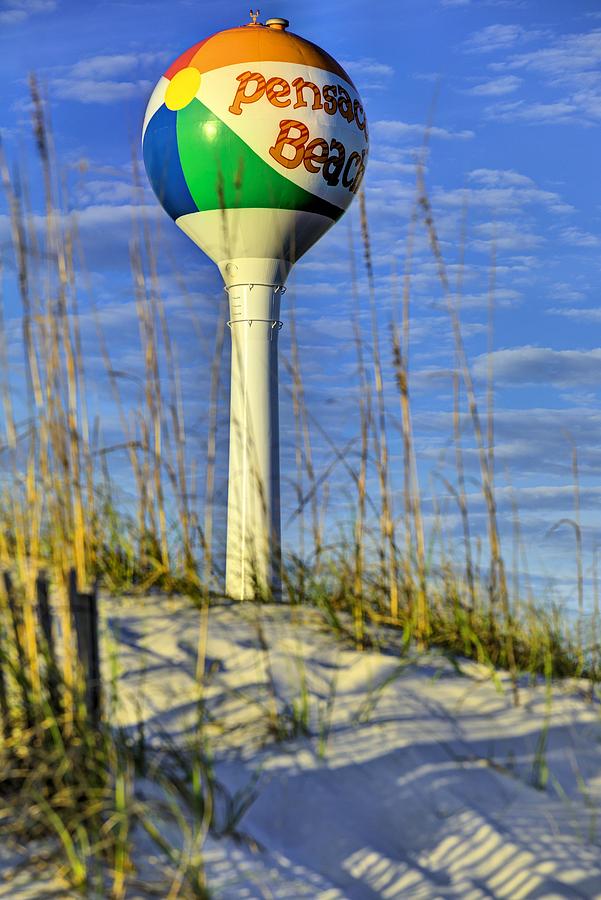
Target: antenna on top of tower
pixel 254 16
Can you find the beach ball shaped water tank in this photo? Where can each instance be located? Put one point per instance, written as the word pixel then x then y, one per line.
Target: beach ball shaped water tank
pixel 255 141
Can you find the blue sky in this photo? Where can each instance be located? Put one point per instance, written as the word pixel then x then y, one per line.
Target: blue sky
pixel 515 137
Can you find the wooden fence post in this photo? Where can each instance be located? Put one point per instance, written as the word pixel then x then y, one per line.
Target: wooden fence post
pixel 45 619
pixel 17 623
pixel 84 608
pixel 4 710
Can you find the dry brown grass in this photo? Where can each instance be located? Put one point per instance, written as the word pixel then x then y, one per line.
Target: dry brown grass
pixel 59 509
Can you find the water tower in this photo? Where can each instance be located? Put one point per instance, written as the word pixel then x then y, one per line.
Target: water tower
pixel 255 142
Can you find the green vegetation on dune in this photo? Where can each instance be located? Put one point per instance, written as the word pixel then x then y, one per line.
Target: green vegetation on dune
pixel 59 510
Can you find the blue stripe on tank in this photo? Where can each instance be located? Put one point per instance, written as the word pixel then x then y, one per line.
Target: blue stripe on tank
pixel 161 159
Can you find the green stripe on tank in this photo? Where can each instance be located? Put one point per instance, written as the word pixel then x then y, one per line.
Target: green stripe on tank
pixel 223 172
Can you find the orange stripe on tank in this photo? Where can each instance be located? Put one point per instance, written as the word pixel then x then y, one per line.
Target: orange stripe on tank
pixel 255 44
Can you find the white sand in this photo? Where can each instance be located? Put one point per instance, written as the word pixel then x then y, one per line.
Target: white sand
pixel 423 786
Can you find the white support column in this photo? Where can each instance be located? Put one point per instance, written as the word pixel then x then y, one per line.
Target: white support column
pixel 253 514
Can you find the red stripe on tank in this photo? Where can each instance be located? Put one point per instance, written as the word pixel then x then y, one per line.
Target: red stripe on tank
pixel 184 60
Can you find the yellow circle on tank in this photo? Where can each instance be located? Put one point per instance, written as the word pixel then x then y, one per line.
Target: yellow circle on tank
pixel 182 88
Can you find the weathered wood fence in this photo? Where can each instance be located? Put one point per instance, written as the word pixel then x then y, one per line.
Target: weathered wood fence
pixel 83 616
pixel 84 609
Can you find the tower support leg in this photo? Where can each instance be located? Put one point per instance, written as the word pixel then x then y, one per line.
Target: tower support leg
pixel 253 556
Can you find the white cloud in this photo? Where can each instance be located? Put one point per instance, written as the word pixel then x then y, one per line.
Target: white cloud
pixel 499 37
pixel 494 37
pixel 368 72
pixel 542 365
pixel 101 92
pixel 102 79
pixel 112 65
pixel 96 191
pixel 561 112
pixel 588 104
pixel 501 3
pixel 542 426
pixel 565 56
pixel 578 238
pixel 496 87
pixel 503 297
pixel 582 314
pixel 571 61
pixel 504 236
pixel 14 12
pixel 539 496
pixel 565 293
pixel 427 76
pixel 103 215
pixel 503 191
pixel 499 177
pixel 383 167
pixel 388 128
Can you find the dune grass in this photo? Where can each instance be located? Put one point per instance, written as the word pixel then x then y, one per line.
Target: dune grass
pixel 60 509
